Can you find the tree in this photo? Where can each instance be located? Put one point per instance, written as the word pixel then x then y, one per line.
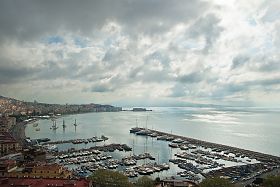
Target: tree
pixel 144 182
pixel 215 182
pixel 106 178
pixel 272 181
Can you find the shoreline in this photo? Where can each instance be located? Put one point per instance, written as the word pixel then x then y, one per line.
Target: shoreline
pixel 18 131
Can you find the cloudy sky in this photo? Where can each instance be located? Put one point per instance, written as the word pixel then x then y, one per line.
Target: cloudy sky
pixel 141 52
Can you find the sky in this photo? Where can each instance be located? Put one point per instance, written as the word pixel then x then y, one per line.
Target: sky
pixel 141 52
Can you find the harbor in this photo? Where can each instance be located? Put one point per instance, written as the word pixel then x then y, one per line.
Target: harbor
pixel 196 159
pixel 201 157
pixel 138 151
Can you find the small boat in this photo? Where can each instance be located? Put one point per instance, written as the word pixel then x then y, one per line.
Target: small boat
pixel 184 147
pixel 143 132
pixel 35 124
pixel 154 135
pixel 37 129
pixel 178 140
pixel 173 145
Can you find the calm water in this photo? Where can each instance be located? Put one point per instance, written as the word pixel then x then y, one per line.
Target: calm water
pixel 255 129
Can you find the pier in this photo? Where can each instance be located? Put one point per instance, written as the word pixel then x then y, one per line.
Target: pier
pixel 262 157
pixel 204 158
pixel 78 141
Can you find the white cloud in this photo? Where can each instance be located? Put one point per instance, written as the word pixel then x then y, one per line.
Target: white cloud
pixel 223 52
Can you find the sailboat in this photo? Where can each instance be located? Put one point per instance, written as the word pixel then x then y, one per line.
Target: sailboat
pixel 54 127
pixel 144 132
pixel 135 129
pixel 63 124
pixel 75 124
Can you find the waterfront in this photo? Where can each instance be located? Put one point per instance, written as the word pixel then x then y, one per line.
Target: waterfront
pixel 243 129
pixel 209 124
pixel 253 129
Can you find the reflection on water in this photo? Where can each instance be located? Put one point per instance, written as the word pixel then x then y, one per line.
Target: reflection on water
pixel 251 128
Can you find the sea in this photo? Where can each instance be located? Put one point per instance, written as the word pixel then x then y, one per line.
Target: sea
pixel 252 128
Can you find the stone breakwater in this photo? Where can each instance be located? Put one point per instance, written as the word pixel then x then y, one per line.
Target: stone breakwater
pixel 262 157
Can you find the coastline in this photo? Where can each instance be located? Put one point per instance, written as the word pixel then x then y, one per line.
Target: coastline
pixel 18 131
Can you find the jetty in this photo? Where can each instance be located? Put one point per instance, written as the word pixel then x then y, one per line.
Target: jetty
pixel 247 164
pixel 262 157
pixel 78 141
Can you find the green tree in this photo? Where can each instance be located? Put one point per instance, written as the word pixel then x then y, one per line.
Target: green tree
pixel 215 182
pixel 144 182
pixel 106 178
pixel 272 181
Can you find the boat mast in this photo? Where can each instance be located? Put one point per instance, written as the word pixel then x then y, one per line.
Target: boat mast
pixel 133 146
pixel 63 124
pixel 75 124
pixel 146 122
pixel 146 146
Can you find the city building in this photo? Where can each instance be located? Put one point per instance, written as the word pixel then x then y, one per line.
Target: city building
pixel 177 182
pixel 31 182
pixel 42 170
pixel 8 144
pixel 6 123
pixel 7 166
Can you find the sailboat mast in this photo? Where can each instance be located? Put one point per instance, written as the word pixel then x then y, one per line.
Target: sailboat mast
pixel 63 124
pixel 146 122
pixel 133 146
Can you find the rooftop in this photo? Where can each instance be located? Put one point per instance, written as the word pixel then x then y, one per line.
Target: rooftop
pixel 6 137
pixel 30 182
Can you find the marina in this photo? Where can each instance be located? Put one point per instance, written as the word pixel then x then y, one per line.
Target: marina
pixel 138 151
pixel 197 159
pixel 203 157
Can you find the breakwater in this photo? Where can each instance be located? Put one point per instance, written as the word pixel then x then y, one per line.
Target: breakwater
pixel 266 158
pixel 246 164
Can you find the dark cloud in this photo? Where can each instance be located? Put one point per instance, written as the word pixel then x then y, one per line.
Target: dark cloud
pixel 231 89
pixel 257 62
pixel 101 88
pixel 207 27
pixel 270 66
pixel 193 77
pixel 13 71
pixel 263 82
pixel 239 61
pixel 178 90
pixel 111 46
pixel 159 56
pixel 29 19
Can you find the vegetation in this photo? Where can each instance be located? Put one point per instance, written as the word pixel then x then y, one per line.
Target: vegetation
pixel 272 181
pixel 144 182
pixel 106 178
pixel 215 182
